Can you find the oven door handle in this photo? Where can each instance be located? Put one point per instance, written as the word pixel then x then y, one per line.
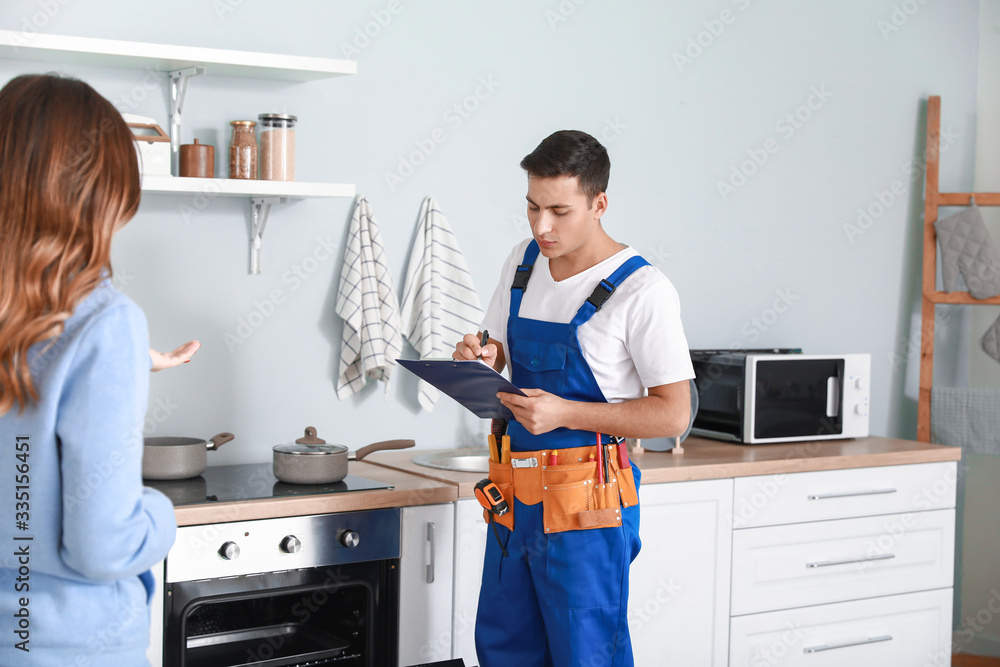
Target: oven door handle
pixel 430 558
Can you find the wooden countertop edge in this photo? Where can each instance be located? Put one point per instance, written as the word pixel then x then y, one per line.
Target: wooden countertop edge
pixel 778 467
pixel 701 461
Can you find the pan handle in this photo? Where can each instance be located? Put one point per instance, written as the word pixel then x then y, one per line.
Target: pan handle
pixel 218 440
pixel 378 446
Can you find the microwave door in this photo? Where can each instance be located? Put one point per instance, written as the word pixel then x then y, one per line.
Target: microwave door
pixel 796 398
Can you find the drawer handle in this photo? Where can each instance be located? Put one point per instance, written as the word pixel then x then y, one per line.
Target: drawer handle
pixel 825 496
pixel 828 563
pixel 430 563
pixel 830 647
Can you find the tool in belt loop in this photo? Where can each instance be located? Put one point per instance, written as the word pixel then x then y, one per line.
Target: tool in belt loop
pixel 491 499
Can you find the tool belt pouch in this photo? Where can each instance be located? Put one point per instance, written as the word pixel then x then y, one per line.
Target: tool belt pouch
pixel 572 499
pixel 626 487
pixel 501 475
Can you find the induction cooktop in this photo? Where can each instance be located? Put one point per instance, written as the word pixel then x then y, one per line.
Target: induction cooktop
pixel 253 481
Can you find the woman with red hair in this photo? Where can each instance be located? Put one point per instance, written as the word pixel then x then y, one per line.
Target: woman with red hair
pixel 79 531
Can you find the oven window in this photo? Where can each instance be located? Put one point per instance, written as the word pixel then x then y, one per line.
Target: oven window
pixel 343 615
pixel 305 626
pixel 793 398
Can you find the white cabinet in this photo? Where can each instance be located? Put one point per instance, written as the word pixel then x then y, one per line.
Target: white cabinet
pixel 425 583
pixel 470 549
pixel 678 609
pixel 844 567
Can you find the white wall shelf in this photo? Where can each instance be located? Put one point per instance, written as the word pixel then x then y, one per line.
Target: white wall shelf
pixel 181 63
pixel 231 187
pixel 168 58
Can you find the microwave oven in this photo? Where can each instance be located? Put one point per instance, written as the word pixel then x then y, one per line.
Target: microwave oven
pixel 780 395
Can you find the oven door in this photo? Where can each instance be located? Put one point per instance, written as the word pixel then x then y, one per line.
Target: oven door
pixel 337 615
pixel 793 398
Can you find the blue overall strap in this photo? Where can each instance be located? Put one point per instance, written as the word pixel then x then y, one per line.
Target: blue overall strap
pixel 521 276
pixel 606 288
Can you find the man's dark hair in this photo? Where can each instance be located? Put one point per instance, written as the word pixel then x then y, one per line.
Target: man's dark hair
pixel 571 153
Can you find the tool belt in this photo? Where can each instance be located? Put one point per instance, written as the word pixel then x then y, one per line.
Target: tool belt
pixel 570 495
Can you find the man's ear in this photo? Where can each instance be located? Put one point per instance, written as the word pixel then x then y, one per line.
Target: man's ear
pixel 600 205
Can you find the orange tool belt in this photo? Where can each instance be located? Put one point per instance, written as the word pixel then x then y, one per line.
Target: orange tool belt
pixel 570 495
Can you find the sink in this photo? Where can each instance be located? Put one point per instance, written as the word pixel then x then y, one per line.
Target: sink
pixel 460 460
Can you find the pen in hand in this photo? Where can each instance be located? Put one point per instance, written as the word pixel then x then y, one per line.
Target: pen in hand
pixel 482 343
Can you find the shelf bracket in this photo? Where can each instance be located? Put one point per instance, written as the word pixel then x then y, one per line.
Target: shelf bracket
pixel 260 208
pixel 178 89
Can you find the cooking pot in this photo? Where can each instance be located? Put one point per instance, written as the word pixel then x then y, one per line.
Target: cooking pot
pixel 178 458
pixel 311 461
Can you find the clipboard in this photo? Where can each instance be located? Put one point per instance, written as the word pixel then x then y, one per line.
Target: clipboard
pixel 472 383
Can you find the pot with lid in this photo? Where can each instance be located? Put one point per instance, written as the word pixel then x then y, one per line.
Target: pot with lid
pixel 310 460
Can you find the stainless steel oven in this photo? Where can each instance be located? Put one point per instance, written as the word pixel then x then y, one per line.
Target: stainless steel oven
pixel 311 590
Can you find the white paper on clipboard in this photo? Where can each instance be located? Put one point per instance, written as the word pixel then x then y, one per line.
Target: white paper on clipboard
pixel 472 383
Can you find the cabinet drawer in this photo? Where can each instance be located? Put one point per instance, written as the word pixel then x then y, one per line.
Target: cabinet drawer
pixel 910 629
pixel 779 567
pixel 768 500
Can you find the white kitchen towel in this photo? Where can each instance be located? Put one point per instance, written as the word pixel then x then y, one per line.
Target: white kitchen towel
pixel 440 304
pixel 367 304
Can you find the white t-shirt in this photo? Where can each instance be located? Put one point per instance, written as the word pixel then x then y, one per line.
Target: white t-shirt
pixel 634 341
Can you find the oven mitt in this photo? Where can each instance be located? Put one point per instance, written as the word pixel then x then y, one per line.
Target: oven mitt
pixel 991 340
pixel 966 247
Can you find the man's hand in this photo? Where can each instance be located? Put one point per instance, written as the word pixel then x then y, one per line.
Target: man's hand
pixel 181 355
pixel 469 348
pixel 538 412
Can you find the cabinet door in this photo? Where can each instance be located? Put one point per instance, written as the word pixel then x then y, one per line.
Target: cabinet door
pixel 678 609
pixel 470 549
pixel 425 581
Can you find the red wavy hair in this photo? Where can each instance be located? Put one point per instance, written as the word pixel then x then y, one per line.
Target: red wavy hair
pixel 69 178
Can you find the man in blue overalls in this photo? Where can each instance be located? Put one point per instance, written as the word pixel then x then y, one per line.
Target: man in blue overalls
pixel 592 334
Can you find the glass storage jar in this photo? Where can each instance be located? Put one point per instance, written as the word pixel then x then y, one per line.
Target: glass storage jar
pixel 277 146
pixel 243 150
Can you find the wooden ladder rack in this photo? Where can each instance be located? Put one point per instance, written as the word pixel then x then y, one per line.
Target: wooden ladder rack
pixel 931 295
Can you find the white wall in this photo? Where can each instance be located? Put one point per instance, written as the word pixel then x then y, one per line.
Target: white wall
pixel 674 133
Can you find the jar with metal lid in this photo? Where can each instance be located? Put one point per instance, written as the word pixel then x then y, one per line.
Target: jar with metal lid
pixel 243 150
pixel 277 146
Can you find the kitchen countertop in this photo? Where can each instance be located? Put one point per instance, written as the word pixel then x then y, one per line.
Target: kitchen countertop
pixel 409 490
pixel 712 459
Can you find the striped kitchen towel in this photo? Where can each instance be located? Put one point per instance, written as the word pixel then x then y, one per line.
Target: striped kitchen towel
pixel 440 304
pixel 367 304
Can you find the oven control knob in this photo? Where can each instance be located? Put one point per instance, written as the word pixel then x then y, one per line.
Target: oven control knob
pixel 291 544
pixel 349 538
pixel 861 383
pixel 860 409
pixel 230 551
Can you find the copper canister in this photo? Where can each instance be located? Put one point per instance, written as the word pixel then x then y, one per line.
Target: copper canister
pixel 197 160
pixel 243 150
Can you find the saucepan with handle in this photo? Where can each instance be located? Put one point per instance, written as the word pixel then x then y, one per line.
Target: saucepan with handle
pixel 178 458
pixel 310 460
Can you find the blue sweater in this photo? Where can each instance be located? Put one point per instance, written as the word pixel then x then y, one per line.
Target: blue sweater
pixel 74 576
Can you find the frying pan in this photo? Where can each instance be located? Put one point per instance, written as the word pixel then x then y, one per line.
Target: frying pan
pixel 178 458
